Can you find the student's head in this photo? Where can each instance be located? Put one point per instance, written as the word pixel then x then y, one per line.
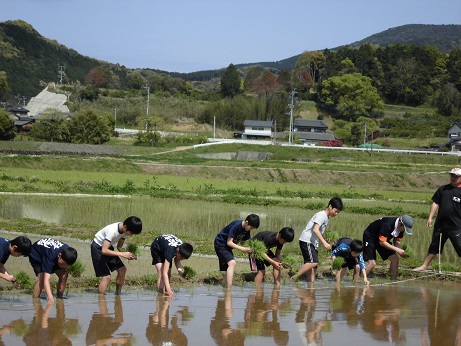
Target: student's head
pixel 252 222
pixel 20 246
pixel 133 224
pixel 67 257
pixel 287 234
pixel 185 250
pixel 335 205
pixel 356 247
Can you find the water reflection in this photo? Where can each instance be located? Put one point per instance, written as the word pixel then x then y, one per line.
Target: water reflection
pixel 46 330
pixel 347 304
pixel 220 328
pixel 159 331
pixel 443 319
pixel 308 325
pixel 103 325
pixel 412 313
pixel 382 312
pixel 262 315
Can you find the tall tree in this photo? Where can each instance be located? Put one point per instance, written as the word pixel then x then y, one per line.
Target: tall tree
pixel 353 95
pixel 230 82
pixel 7 131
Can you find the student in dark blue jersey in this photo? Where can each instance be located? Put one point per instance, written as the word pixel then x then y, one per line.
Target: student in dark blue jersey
pixel 50 256
pixel 19 246
pixel 164 249
pixel 351 251
pixel 228 239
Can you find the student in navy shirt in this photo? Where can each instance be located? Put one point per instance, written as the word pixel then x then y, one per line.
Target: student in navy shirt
pixel 351 251
pixel 228 239
pixel 19 246
pixel 50 256
pixel 164 249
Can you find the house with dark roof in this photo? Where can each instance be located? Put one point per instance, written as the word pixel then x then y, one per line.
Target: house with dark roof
pixel 454 134
pixel 306 125
pixel 257 129
pixel 312 131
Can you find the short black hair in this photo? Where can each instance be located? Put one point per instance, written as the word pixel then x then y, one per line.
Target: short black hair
pixel 253 220
pixel 185 250
pixel 23 245
pixel 287 234
pixel 69 255
pixel 356 245
pixel 336 202
pixel 133 224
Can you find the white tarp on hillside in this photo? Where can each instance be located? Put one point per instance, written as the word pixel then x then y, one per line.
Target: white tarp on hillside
pixel 46 100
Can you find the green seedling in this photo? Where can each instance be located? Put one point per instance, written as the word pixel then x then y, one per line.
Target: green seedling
pixel 134 249
pixel 76 270
pixel 189 272
pixel 258 247
pixel 23 280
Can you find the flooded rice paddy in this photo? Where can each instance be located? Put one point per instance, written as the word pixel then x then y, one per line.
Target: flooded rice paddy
pixel 404 313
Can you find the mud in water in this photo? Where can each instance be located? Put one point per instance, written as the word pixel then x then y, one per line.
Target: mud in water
pixel 404 313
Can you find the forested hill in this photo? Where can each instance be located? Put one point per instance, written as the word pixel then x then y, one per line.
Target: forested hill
pixel 443 37
pixel 31 60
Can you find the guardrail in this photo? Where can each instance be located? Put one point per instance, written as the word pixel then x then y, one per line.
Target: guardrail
pixel 369 150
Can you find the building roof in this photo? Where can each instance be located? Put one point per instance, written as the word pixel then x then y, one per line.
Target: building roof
pixel 309 123
pixel 257 123
pixel 315 136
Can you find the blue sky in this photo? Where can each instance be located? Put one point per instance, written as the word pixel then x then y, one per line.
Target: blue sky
pixel 188 36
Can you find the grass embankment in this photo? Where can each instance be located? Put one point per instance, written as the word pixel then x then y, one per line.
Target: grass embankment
pixel 389 180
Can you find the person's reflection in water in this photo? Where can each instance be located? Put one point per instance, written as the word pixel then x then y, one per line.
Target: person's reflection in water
pixel 309 329
pixel 159 331
pixel 381 314
pixel 220 329
pixel 261 316
pixel 347 304
pixel 45 330
pixel 103 325
pixel 443 319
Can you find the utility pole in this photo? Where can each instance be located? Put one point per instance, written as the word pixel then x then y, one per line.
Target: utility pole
pixel 147 87
pixel 61 69
pixel 292 106
pixel 148 94
pixel 115 119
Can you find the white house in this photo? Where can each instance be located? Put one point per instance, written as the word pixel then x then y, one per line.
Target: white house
pixel 257 129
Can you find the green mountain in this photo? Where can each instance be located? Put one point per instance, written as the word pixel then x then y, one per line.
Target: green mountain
pixel 444 37
pixel 31 60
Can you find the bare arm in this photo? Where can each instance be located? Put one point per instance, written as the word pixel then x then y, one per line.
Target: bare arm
pixel 166 270
pixel 47 287
pixel 395 247
pixel 62 281
pixel 108 252
pixel 5 275
pixel 434 208
pixel 319 235
pixel 230 243
pixel 179 266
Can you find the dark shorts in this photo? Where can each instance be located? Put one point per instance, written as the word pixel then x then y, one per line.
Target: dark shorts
pixel 370 249
pixel 157 257
pixel 310 253
pixel 261 265
pixel 224 256
pixel 350 263
pixel 104 265
pixel 453 235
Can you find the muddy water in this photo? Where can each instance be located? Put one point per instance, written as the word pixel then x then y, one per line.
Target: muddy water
pixel 405 313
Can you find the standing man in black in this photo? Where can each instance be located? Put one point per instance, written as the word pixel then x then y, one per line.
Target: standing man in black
pixel 447 200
